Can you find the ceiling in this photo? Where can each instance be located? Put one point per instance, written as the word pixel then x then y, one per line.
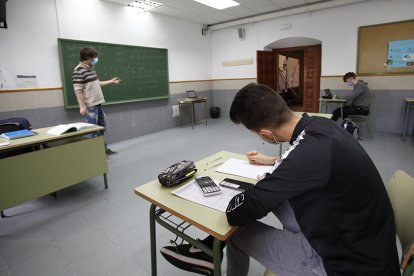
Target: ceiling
pixel 194 12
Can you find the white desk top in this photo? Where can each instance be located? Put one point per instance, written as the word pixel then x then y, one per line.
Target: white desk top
pixel 43 137
pixel 191 100
pixel 332 100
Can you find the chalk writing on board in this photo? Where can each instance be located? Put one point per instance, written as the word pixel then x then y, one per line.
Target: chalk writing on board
pixel 144 71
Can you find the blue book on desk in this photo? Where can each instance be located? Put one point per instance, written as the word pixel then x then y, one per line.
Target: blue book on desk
pixel 18 134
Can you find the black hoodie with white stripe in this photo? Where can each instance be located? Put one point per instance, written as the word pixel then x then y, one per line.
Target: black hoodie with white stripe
pixel 338 198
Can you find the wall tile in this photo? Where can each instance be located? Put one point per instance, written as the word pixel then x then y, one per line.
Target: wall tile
pixel 129 120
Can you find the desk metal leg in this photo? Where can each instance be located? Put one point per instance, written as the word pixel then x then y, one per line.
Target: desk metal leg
pixel 205 109
pixel 217 257
pixel 155 216
pixel 181 114
pixel 105 180
pixel 193 117
pixel 407 110
pixel 153 241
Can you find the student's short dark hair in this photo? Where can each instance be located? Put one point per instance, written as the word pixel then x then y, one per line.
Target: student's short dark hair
pixel 257 106
pixel 87 53
pixel 349 75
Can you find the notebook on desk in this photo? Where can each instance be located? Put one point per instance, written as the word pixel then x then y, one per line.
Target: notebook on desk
pixel 18 134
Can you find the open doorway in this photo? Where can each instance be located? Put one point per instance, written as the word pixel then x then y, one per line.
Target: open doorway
pixel 290 77
pixel 293 71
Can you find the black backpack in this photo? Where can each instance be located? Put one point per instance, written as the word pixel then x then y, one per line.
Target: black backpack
pixel 351 127
pixel 177 173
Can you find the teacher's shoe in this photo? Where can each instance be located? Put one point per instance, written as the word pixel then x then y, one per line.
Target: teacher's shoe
pixel 110 152
pixel 190 258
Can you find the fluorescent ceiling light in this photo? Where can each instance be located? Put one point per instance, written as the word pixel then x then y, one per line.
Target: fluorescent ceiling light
pixel 145 5
pixel 218 4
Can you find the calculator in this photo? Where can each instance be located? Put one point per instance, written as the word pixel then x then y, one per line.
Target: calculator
pixel 207 186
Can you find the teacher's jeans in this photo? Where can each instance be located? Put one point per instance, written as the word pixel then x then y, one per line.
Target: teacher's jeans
pixel 96 115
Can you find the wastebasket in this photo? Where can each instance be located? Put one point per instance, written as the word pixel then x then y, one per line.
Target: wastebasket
pixel 215 112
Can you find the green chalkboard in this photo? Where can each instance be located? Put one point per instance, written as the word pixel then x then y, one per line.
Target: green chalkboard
pixel 143 70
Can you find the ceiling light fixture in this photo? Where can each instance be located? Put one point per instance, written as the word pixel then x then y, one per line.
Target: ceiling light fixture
pixel 145 5
pixel 218 4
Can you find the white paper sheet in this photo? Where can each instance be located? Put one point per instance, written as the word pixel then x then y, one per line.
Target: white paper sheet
pixel 219 202
pixel 4 143
pixel 243 168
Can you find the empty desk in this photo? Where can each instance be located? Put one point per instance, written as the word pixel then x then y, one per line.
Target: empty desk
pixel 33 174
pixel 192 101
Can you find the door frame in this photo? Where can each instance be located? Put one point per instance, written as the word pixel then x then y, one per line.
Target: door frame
pixel 314 87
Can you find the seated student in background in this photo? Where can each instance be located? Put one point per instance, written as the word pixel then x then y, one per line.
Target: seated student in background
pixel 88 90
pixel 325 190
pixel 359 98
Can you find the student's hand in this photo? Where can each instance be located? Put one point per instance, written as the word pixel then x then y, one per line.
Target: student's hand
pixel 258 158
pixel 116 80
pixel 82 111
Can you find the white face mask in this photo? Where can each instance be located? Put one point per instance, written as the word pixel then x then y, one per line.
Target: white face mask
pixel 349 83
pixel 274 139
pixel 94 61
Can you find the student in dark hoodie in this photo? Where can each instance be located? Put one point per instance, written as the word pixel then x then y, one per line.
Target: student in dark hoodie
pixel 359 98
pixel 325 190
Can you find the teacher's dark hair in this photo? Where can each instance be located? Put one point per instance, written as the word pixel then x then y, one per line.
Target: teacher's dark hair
pixel 257 106
pixel 88 53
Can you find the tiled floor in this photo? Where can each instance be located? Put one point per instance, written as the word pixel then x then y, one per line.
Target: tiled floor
pixel 88 230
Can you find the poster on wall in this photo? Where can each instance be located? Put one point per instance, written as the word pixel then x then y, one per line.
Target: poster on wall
pixel 401 53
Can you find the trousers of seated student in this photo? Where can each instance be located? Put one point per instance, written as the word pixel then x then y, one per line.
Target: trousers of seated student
pixel 284 252
pixel 350 110
pixel 96 115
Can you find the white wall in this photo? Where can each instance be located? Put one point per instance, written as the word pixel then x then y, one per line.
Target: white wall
pixel 29 45
pixel 337 28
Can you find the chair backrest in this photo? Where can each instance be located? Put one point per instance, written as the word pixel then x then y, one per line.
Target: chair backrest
pixel 401 192
pixel 370 99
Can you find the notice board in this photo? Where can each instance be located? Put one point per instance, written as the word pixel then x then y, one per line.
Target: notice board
pixel 373 43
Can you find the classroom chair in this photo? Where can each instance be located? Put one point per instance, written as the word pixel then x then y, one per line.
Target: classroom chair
pixel 401 193
pixel 268 273
pixel 364 120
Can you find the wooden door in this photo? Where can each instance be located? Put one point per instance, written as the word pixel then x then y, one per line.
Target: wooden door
pixel 312 75
pixel 267 73
pixel 266 68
